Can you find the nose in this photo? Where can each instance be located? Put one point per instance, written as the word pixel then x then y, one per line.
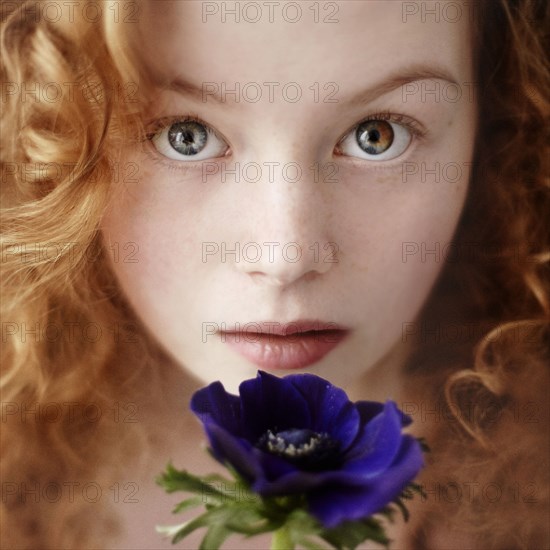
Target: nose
pixel 288 233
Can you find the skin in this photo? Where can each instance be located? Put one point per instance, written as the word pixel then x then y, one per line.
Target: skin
pixel 370 209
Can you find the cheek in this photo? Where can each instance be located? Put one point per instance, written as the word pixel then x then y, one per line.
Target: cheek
pixel 402 223
pixel 161 232
pixel 398 236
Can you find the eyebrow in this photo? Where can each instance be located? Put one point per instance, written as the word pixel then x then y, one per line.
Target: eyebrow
pixel 388 84
pixel 400 79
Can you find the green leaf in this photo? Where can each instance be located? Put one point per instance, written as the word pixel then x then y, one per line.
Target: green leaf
pixel 189 527
pixel 213 517
pixel 301 523
pixel 173 480
pixel 282 539
pixel 187 504
pixel 231 517
pixel 351 534
pixel 310 544
pixel 250 521
pixel 418 489
pixel 301 526
pixel 214 538
pixel 403 508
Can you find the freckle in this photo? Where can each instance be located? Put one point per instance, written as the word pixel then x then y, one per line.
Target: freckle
pixel 384 179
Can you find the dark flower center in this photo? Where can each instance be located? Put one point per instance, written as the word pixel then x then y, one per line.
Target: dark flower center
pixel 308 449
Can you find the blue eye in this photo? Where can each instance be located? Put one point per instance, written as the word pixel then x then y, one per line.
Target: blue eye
pixel 189 140
pixel 376 140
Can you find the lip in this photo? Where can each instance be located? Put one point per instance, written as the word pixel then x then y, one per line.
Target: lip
pixel 285 346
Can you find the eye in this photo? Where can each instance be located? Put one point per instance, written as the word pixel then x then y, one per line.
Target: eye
pixel 376 140
pixel 188 140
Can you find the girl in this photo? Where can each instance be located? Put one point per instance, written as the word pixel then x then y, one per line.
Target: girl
pixel 195 190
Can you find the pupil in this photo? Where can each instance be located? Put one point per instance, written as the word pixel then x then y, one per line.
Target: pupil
pixel 187 138
pixel 305 448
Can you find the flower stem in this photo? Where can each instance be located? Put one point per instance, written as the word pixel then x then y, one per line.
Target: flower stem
pixel 281 539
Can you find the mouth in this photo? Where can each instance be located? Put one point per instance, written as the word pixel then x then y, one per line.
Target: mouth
pixel 278 346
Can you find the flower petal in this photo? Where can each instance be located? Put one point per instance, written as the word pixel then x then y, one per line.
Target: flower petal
pixel 273 469
pixel 299 481
pixel 375 449
pixel 292 480
pixel 369 409
pixel 333 504
pixel 330 409
pixel 214 404
pixel 269 402
pixel 237 452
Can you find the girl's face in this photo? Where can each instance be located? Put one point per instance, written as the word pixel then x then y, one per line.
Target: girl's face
pixel 306 162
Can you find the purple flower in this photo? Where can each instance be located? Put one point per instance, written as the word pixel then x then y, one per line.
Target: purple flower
pixel 302 435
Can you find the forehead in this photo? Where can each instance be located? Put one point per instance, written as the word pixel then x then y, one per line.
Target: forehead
pixel 350 43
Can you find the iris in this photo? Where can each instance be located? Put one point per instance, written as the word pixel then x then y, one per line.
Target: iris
pixel 187 137
pixel 302 435
pixel 374 136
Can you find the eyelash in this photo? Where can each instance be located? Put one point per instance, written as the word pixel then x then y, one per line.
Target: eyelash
pixel 157 125
pixel 417 130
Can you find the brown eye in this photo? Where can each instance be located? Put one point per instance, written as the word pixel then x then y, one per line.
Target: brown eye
pixel 375 140
pixel 374 136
